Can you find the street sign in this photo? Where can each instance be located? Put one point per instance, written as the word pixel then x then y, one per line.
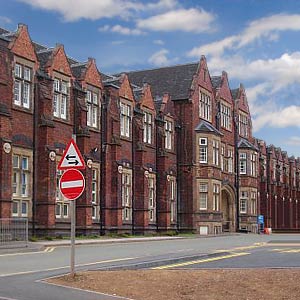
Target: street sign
pixel 72 158
pixel 72 184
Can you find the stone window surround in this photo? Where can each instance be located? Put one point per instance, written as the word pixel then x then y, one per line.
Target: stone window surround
pixel 126 127
pixel 62 78
pixel 93 106
pixel 28 198
pixel 31 65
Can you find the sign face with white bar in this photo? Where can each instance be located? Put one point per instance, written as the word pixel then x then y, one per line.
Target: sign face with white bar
pixel 72 184
pixel 72 158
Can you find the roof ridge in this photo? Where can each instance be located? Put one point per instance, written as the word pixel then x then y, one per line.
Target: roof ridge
pixel 78 64
pixel 45 50
pixel 164 67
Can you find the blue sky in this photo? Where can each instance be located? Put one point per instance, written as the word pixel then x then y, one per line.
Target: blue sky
pixel 255 41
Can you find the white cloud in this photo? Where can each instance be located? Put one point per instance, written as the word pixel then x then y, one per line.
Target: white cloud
pixel 268 28
pixel 121 30
pixel 159 58
pixel 5 20
pixel 158 42
pixel 280 118
pixel 294 140
pixel 188 20
pixel 73 10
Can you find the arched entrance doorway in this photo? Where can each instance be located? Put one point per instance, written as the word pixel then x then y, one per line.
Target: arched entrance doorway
pixel 228 209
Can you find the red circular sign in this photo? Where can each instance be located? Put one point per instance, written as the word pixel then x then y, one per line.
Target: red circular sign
pixel 72 184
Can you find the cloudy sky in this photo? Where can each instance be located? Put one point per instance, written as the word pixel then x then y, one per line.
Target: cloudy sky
pixel 255 41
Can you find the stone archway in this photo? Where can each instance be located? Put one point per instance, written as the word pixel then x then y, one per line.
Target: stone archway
pixel 228 209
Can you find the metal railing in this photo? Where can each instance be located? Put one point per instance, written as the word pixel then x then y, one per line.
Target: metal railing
pixel 13 232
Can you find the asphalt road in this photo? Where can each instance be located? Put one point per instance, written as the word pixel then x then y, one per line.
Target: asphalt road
pixel 21 273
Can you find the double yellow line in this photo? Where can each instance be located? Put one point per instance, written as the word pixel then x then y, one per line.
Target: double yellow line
pixel 49 249
pixel 199 261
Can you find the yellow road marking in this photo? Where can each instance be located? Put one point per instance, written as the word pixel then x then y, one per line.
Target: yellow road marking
pixel 289 251
pixel 49 249
pixel 256 245
pixel 193 262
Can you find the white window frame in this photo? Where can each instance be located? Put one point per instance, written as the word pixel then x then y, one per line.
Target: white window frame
pixel 243 202
pixel 253 203
pixel 168 134
pixel 253 159
pixel 216 197
pixel 60 98
pixel 243 125
pixel 126 187
pixel 125 119
pixel 203 195
pixel 215 153
pixel 225 116
pixel 22 86
pixel 230 160
pixel 151 197
pixel 243 163
pixel 203 150
pixel 173 199
pixel 93 108
pixel 204 106
pixel 148 125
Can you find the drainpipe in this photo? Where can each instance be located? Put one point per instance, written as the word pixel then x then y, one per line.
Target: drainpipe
pixel 237 173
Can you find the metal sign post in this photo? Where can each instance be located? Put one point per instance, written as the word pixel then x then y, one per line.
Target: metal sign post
pixel 73 226
pixel 71 185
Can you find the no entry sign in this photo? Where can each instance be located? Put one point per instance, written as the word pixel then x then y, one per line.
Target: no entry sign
pixel 72 184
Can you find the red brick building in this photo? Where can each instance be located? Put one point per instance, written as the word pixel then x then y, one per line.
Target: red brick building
pixel 167 149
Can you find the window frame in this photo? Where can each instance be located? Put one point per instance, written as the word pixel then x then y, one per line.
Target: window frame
pixel 203 196
pixel 203 150
pixel 23 97
pixel 61 98
pixel 125 119
pixel 148 127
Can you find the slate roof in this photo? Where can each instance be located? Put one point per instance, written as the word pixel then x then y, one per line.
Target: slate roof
pixel 38 47
pixel 3 31
pixel 105 76
pixel 204 126
pixel 234 93
pixel 44 55
pixel 78 69
pixel 175 80
pixel 216 81
pixel 244 144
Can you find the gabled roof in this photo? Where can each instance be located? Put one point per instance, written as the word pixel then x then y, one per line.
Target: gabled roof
pixel 216 81
pixel 175 80
pixel 3 31
pixel 244 144
pixel 235 93
pixel 78 69
pixel 44 56
pixel 204 126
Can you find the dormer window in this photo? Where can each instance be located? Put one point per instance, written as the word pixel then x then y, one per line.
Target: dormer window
pixel 60 98
pixel 147 128
pixel 22 86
